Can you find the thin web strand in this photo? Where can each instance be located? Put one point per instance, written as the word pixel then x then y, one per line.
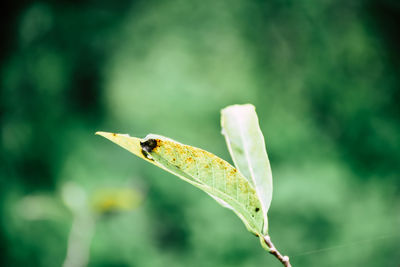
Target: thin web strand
pixel 345 245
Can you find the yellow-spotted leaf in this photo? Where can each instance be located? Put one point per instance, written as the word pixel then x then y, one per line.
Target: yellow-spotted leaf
pixel 247 147
pixel 202 169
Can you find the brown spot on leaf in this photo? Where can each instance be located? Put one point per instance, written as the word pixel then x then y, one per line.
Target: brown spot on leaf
pixel 257 209
pixel 146 155
pixel 149 145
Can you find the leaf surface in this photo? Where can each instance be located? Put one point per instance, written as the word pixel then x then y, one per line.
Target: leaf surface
pixel 202 169
pixel 246 145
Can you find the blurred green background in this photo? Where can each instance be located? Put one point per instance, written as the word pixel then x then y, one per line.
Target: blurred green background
pixel 323 75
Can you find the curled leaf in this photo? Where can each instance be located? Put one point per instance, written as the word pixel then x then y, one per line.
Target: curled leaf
pixel 202 169
pixel 246 145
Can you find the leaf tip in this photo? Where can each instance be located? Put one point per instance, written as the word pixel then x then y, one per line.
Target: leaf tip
pixel 105 134
pixel 238 107
pixel 111 136
pixel 99 133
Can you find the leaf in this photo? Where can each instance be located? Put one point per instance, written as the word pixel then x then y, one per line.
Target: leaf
pixel 202 169
pixel 246 145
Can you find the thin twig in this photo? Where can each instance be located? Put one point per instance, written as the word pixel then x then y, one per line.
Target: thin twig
pixel 272 249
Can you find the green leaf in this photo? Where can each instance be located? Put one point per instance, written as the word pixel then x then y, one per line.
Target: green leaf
pixel 202 169
pixel 246 145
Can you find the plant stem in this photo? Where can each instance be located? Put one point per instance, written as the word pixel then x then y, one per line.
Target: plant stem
pixel 284 259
